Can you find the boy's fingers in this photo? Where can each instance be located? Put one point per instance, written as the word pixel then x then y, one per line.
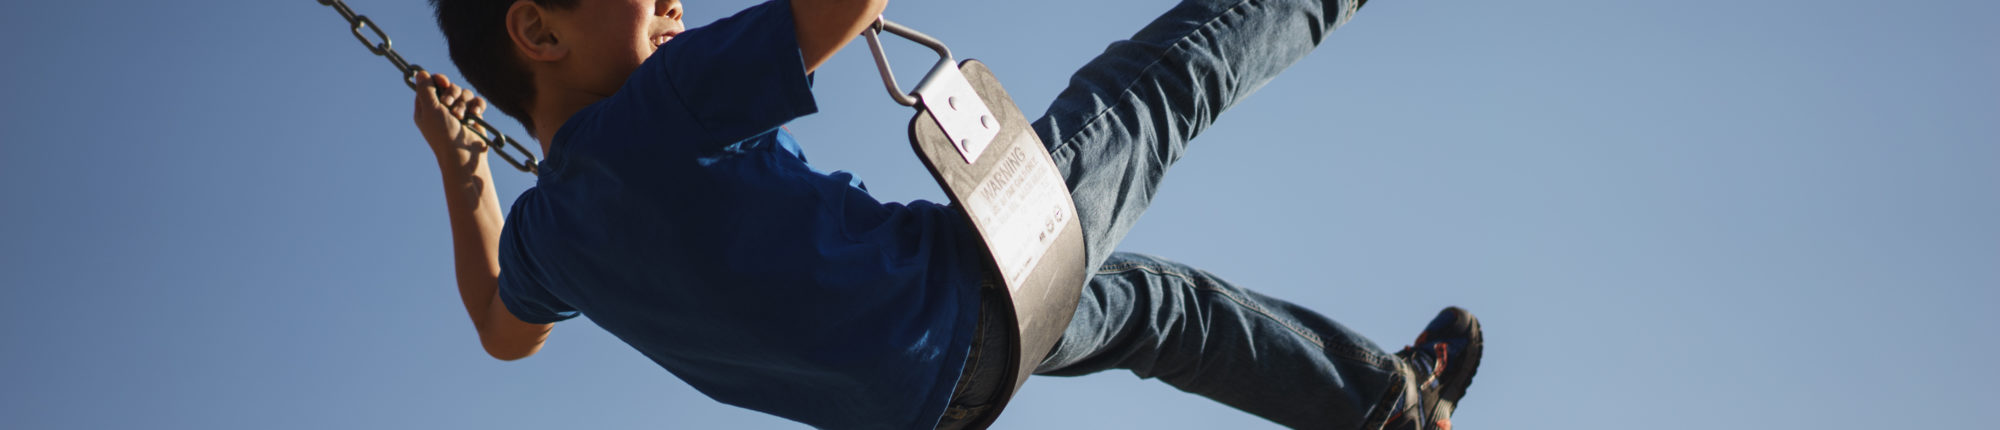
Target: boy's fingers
pixel 427 103
pixel 443 88
pixel 478 106
pixel 448 95
pixel 425 88
pixel 459 101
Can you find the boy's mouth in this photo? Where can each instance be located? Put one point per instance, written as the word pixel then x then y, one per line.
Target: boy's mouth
pixel 662 38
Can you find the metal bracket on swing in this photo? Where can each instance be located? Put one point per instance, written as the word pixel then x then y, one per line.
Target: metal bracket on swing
pixel 944 92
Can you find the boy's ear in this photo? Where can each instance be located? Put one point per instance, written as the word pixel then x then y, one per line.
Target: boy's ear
pixel 533 34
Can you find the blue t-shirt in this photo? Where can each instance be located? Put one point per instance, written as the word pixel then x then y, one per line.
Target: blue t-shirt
pixel 681 218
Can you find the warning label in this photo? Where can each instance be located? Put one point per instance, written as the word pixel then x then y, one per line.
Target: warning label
pixel 1022 206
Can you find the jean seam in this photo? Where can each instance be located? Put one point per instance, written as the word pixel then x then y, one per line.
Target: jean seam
pixel 1069 144
pixel 1369 358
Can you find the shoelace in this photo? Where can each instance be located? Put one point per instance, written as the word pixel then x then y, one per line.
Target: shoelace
pixel 1438 367
pixel 1430 381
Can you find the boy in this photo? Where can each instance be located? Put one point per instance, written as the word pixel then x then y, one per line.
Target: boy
pixel 674 210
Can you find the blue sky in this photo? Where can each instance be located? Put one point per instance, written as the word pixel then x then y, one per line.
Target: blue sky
pixel 1757 214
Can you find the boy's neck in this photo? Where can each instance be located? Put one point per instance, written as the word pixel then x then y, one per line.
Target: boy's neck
pixel 553 107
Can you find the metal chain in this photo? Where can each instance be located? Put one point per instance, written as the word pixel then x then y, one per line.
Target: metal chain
pixel 486 133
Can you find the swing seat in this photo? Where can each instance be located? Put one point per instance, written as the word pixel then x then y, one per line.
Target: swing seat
pixel 1012 195
pixel 988 159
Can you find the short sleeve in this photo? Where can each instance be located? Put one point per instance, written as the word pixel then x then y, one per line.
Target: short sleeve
pixel 737 77
pixel 520 286
pixel 530 302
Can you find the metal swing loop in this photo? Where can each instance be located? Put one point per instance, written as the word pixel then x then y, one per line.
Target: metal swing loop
pixel 944 92
pixel 882 59
pixel 494 140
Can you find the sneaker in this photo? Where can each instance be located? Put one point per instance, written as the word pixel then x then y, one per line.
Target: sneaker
pixel 1441 365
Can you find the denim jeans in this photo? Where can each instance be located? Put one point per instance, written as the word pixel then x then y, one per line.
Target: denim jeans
pixel 1125 118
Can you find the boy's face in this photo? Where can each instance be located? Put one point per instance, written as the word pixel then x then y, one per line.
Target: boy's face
pixel 607 39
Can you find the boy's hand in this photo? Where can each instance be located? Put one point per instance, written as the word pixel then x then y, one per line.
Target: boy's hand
pixel 476 219
pixel 439 106
pixel 823 26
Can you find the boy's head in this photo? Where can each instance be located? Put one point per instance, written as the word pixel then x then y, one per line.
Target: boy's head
pixel 515 51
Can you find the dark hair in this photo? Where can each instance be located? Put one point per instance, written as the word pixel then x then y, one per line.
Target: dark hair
pixel 476 33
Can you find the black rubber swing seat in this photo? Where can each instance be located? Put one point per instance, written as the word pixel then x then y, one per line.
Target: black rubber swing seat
pixel 1012 194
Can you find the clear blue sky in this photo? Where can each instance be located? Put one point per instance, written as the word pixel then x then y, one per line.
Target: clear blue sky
pixel 1755 214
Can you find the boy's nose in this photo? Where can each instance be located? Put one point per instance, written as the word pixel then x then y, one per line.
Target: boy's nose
pixel 667 8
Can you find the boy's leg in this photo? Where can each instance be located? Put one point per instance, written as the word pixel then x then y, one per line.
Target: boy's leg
pixel 1125 118
pixel 1197 332
pixel 1128 115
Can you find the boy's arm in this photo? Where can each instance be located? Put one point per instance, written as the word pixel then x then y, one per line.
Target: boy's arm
pixel 475 217
pixel 823 26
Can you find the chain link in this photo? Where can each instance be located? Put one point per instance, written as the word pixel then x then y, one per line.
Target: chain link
pixel 488 135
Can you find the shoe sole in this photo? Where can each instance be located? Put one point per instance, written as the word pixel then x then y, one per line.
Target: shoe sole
pixel 1455 384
